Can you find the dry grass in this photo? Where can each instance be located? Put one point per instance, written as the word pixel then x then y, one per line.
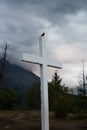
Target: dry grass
pixel 25 120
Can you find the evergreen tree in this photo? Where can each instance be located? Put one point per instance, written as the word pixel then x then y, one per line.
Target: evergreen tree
pixel 33 99
pixel 59 100
pixel 8 99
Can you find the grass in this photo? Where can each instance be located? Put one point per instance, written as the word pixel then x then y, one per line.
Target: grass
pixel 31 120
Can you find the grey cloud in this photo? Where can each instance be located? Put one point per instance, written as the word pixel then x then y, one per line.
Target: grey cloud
pixel 18 29
pixel 49 7
pixel 52 10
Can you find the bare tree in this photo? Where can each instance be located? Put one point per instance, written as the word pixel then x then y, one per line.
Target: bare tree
pixel 82 82
pixel 2 64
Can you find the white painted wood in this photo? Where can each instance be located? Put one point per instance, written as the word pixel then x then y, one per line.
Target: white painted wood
pixel 43 62
pixel 54 64
pixel 32 59
pixel 44 86
pixel 40 61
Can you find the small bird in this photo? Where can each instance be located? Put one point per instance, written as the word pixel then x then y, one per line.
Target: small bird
pixel 42 34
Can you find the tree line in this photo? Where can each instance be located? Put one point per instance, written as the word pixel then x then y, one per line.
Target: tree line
pixel 60 101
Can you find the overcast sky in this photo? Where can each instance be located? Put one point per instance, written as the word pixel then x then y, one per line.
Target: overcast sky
pixel 65 25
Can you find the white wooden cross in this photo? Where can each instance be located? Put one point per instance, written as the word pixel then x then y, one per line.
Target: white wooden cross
pixel 43 62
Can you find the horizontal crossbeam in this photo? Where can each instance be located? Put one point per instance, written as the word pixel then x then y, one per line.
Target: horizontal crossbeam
pixel 54 64
pixel 39 60
pixel 32 59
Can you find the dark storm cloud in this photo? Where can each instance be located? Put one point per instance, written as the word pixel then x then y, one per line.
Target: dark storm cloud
pixel 17 27
pixel 17 24
pixel 53 10
pixel 22 21
pixel 51 6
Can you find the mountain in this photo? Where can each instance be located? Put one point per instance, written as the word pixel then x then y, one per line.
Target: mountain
pixel 18 78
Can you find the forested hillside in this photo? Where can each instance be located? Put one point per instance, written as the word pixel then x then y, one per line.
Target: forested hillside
pixel 18 78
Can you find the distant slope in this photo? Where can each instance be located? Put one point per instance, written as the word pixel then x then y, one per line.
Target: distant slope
pixel 18 78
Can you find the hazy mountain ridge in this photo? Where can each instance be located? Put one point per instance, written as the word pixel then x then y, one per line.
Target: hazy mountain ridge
pixel 18 78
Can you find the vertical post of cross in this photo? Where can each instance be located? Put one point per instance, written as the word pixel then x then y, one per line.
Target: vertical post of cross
pixel 44 85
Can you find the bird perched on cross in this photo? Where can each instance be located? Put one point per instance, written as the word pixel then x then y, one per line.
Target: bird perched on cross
pixel 42 34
